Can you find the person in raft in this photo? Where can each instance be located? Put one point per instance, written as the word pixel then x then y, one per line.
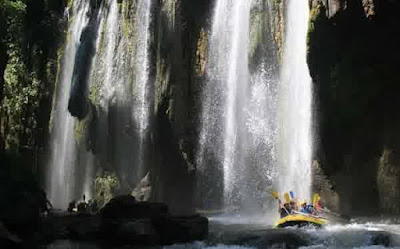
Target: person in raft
pixel 284 210
pixel 307 209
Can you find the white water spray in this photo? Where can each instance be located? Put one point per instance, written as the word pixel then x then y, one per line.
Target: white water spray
pixel 122 71
pixel 109 62
pixel 141 114
pixel 228 79
pixel 238 130
pixel 295 100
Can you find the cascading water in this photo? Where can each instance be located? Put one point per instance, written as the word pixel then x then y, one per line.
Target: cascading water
pixel 295 100
pixel 122 74
pixel 237 72
pixel 111 39
pixel 142 111
pixel 119 86
pixel 237 130
pixel 61 176
pixel 227 71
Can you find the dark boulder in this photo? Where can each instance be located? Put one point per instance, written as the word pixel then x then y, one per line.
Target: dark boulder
pixel 77 226
pixel 124 221
pixel 126 207
pixel 7 239
pixel 127 221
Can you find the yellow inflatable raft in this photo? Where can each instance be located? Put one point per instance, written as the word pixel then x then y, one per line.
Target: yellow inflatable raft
pixel 301 220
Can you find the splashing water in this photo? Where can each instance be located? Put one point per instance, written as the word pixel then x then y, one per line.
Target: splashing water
pixel 227 72
pixel 236 144
pixel 142 78
pixel 109 62
pixel 295 100
pixel 122 73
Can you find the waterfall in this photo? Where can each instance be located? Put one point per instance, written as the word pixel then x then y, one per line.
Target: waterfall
pixel 61 174
pixel 295 113
pixel 122 74
pixel 108 89
pixel 236 144
pixel 142 111
pixel 227 71
pixel 117 82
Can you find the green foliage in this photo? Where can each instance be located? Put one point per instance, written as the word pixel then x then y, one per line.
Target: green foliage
pixel 12 13
pixel 94 94
pixel 80 130
pixel 105 187
pixel 29 41
pixel 21 98
pixel 256 31
pixel 70 3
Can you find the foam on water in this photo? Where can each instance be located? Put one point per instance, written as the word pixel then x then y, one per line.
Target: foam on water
pixel 367 235
pixel 227 233
pixel 241 220
pixel 361 247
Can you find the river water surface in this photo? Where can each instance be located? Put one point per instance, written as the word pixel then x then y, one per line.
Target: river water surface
pixel 228 232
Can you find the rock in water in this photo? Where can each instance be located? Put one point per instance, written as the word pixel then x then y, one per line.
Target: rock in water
pixel 126 207
pixel 127 221
pixel 7 239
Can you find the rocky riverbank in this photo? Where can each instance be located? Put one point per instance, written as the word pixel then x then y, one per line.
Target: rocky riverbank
pixel 125 221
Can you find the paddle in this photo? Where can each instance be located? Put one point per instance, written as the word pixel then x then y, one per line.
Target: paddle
pixel 315 199
pixel 287 197
pixel 342 216
pixel 276 196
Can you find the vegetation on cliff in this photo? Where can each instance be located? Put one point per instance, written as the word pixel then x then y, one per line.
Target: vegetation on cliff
pixel 28 64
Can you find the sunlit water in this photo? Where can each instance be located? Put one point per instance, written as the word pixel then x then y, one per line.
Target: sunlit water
pixel 228 79
pixel 61 173
pixel 236 154
pixel 109 83
pixel 122 74
pixel 142 94
pixel 295 105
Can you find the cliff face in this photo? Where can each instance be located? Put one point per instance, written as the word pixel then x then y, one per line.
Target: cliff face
pixel 353 59
pixel 180 52
pixel 30 60
pixel 177 54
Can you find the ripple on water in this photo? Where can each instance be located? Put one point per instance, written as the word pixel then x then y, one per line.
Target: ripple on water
pixel 251 236
pixel 361 247
pixel 202 245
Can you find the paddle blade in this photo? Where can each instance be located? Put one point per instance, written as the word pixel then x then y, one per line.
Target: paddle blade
pixel 315 199
pixel 287 197
pixel 275 194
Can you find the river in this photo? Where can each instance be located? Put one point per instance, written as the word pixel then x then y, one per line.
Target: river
pixel 229 232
